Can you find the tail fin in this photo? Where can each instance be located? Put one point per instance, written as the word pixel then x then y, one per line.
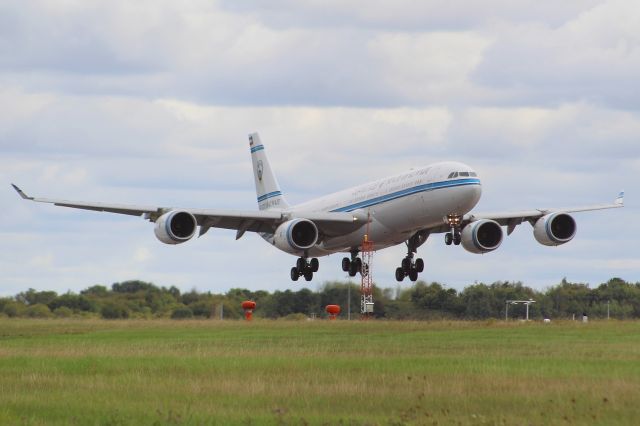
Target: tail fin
pixel 267 189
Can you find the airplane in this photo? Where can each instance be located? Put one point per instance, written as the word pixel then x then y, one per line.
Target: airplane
pixel 403 208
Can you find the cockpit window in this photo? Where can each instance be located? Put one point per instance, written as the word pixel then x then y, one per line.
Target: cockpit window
pixel 451 175
pixel 474 174
pixel 464 174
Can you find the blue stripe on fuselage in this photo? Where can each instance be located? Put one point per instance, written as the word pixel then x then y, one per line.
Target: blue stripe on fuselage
pixel 409 191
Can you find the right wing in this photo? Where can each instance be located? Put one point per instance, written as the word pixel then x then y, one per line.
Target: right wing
pixel 328 223
pixel 513 219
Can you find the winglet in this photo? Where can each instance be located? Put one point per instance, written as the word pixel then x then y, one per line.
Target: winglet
pixel 620 199
pixel 21 193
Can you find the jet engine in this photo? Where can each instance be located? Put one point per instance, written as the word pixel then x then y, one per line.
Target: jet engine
pixel 296 235
pixel 175 227
pixel 482 236
pixel 554 229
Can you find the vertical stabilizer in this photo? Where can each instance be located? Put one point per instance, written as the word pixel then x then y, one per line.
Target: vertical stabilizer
pixel 267 189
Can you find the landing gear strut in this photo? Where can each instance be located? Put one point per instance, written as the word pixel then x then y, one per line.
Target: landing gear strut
pixel 353 265
pixel 410 267
pixel 453 236
pixel 304 268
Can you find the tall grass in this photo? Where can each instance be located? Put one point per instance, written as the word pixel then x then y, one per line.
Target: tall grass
pixel 320 372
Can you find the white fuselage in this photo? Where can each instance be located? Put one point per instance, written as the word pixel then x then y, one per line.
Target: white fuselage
pixel 398 206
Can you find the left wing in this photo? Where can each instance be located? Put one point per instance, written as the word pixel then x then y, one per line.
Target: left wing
pixel 513 219
pixel 328 223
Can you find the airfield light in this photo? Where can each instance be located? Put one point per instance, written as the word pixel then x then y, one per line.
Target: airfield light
pixel 333 311
pixel 248 306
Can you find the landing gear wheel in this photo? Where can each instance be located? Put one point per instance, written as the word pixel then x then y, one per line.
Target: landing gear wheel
pixel 399 274
pixel 413 275
pixel 457 239
pixel 406 265
pixel 315 265
pixel 419 265
pixel 358 263
pixel 346 263
pixel 294 274
pixel 448 238
pixel 308 275
pixel 301 264
pixel 352 269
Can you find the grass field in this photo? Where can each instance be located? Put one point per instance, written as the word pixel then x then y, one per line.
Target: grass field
pixel 320 372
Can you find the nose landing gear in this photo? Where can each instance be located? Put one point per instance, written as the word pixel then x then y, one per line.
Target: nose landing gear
pixel 454 236
pixel 304 268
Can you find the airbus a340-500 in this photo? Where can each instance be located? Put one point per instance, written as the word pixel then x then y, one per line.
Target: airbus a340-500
pixel 404 208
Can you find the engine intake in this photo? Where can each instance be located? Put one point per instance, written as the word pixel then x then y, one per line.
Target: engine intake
pixel 482 236
pixel 295 236
pixel 176 227
pixel 555 229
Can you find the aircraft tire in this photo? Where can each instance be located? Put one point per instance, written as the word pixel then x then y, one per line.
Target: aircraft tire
pixel 352 269
pixel 294 274
pixel 315 265
pixel 301 264
pixel 308 275
pixel 419 265
pixel 406 265
pixel 448 238
pixel 413 275
pixel 346 264
pixel 399 274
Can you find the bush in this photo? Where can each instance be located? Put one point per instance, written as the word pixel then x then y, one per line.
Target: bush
pixel 295 317
pixel 38 310
pixel 114 311
pixel 63 312
pixel 181 313
pixel 14 309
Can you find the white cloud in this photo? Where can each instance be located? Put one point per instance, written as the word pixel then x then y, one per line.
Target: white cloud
pixel 151 103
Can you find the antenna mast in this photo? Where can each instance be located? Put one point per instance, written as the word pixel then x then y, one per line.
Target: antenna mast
pixel 366 287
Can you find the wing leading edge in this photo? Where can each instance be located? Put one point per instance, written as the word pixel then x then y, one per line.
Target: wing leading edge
pixel 513 219
pixel 328 223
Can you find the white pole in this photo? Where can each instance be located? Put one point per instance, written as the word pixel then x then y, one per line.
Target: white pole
pixel 528 303
pixel 349 301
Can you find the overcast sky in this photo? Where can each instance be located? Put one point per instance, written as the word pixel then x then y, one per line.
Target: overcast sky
pixel 151 102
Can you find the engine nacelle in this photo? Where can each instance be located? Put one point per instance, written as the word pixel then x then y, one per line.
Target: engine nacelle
pixel 554 229
pixel 175 227
pixel 296 235
pixel 482 236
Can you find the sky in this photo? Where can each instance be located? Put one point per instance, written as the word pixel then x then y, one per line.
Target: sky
pixel 151 102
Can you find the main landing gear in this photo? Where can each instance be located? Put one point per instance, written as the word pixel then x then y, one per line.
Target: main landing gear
pixel 410 267
pixel 454 235
pixel 353 265
pixel 304 268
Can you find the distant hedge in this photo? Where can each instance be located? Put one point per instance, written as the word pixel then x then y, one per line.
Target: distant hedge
pixel 138 299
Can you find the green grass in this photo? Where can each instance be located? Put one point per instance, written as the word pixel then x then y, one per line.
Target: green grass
pixel 352 373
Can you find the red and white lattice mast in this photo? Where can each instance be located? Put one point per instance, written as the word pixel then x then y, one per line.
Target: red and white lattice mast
pixel 366 287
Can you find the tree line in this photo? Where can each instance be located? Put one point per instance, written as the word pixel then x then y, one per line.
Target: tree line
pixel 423 301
